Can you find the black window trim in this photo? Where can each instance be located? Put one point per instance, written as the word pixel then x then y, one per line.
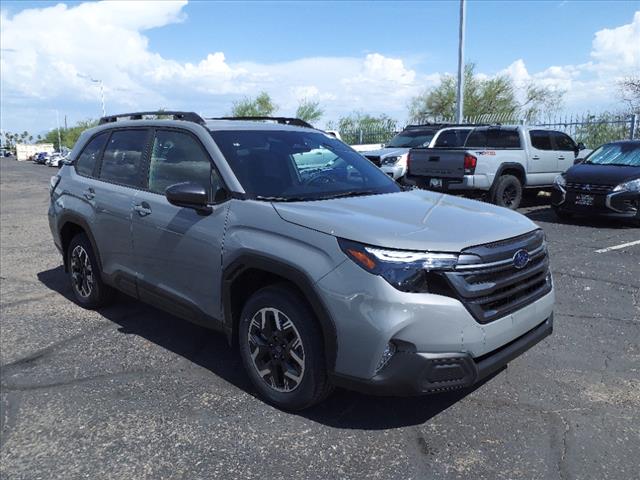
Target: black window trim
pixel 98 168
pixel 549 133
pixel 147 161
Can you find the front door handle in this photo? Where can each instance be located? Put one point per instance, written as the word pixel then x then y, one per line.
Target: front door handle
pixel 89 194
pixel 560 158
pixel 535 157
pixel 143 209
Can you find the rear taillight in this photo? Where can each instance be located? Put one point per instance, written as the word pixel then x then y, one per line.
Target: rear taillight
pixel 470 163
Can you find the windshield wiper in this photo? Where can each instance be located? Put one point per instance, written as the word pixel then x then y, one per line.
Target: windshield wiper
pixel 350 193
pixel 281 199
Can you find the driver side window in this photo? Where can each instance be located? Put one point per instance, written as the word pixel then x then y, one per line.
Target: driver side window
pixel 177 157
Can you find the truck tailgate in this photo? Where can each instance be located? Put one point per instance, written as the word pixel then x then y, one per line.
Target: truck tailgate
pixel 437 162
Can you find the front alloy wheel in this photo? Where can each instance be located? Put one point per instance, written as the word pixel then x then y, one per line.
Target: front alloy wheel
pixel 81 272
pixel 276 349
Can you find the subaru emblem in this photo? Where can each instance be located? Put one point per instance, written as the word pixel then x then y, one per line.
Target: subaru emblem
pixel 520 259
pixel 587 187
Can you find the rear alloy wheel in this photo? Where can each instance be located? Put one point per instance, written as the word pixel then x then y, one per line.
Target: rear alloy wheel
pixel 87 285
pixel 507 192
pixel 281 347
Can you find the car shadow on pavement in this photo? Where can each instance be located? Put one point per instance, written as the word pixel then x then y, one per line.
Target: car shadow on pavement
pixel 209 349
pixel 547 215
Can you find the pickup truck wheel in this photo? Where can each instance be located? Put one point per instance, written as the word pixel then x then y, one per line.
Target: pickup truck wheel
pixel 87 285
pixel 507 192
pixel 281 348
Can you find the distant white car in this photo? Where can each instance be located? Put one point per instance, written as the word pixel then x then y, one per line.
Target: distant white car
pixel 56 160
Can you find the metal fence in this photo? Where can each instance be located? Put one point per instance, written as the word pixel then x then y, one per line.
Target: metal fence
pixel 592 130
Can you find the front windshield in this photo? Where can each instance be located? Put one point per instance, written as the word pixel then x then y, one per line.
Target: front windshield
pixel 411 139
pixel 282 165
pixel 621 154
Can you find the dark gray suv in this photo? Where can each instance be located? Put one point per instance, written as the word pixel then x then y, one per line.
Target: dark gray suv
pixel 315 263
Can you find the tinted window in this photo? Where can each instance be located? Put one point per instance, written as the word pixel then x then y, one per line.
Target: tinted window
pixel 300 165
pixel 477 138
pixel 451 138
pixel 541 139
pixel 87 160
pixel 503 138
pixel 123 156
pixel 177 157
pixel 563 141
pixel 412 138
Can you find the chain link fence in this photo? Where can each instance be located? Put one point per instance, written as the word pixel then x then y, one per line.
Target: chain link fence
pixel 592 130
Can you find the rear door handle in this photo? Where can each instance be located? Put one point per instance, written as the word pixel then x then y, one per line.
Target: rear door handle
pixel 89 194
pixel 560 158
pixel 535 157
pixel 143 209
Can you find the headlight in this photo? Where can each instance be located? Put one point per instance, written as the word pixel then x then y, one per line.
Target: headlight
pixel 560 181
pixel 632 186
pixel 389 160
pixel 405 270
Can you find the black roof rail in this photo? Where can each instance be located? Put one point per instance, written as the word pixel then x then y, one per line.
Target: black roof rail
pixel 447 125
pixel 186 116
pixel 282 120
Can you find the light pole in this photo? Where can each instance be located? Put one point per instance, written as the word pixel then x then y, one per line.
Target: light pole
pixel 98 81
pixel 59 139
pixel 460 92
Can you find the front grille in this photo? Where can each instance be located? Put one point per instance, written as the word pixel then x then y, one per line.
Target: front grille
pixel 374 159
pixel 495 287
pixel 589 188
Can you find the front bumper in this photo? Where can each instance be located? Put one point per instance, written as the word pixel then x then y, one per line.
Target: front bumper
pixel 413 373
pixel 614 204
pixel 394 171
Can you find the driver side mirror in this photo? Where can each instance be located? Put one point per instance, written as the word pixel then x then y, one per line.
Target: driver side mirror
pixel 581 146
pixel 188 195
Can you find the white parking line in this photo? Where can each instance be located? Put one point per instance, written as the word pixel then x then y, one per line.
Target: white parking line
pixel 618 247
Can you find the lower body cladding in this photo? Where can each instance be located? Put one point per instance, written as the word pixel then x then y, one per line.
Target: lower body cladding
pixel 396 343
pixel 587 202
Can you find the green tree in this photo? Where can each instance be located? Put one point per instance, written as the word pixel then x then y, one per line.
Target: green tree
pixel 602 128
pixel 68 136
pixel 630 92
pixel 261 106
pixel 359 128
pixel 490 98
pixel 309 111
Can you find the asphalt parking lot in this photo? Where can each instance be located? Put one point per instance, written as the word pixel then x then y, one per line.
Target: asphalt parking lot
pixel 130 392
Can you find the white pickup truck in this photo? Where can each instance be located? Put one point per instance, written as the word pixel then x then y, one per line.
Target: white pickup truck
pixel 500 161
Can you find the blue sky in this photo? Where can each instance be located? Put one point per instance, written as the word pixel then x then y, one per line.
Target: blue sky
pixel 366 56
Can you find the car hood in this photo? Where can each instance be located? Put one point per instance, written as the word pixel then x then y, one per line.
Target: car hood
pixel 385 152
pixel 413 220
pixel 601 174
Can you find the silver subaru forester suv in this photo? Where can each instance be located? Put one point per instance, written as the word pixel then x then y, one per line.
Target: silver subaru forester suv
pixel 318 266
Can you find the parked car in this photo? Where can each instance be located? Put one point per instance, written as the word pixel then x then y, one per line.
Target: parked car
pixel 392 157
pixel 56 160
pixel 498 161
pixel 41 158
pixel 322 277
pixel 607 183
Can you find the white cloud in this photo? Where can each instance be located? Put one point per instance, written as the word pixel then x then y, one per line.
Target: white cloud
pixel 48 53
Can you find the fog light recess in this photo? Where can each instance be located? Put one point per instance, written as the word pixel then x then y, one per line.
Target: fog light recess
pixel 387 354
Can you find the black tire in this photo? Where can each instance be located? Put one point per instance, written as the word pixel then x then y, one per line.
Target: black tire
pixel 84 272
pixel 275 387
pixel 507 192
pixel 561 214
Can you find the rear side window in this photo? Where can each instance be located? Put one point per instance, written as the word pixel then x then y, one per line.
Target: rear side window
pixel 477 138
pixel 451 138
pixel 123 156
pixel 562 141
pixel 177 157
pixel 89 157
pixel 503 139
pixel 541 139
